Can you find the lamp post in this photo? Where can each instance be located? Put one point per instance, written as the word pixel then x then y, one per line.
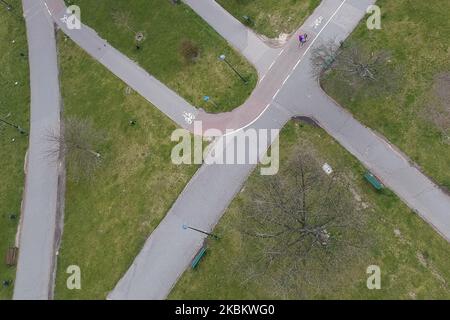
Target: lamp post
pixel 22 131
pixel 222 57
pixel 198 230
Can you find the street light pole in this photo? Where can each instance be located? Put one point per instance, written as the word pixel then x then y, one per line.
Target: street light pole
pixel 22 131
pixel 223 58
pixel 204 232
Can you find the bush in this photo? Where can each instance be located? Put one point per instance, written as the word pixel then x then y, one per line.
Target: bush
pixel 189 50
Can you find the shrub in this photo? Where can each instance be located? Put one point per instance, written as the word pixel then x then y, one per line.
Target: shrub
pixel 189 50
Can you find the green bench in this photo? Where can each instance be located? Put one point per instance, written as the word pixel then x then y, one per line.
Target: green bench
pixel 373 181
pixel 198 256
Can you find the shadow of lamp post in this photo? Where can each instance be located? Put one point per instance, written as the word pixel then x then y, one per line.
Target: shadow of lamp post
pixel 222 57
pixel 185 227
pixel 20 129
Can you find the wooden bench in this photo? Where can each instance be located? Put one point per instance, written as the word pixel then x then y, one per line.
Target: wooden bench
pixel 11 256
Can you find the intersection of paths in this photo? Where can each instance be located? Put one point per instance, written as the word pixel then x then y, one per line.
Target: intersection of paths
pixel 170 248
pixel 285 89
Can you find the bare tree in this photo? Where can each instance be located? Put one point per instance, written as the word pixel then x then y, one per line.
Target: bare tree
pixel 323 57
pixel 356 65
pixel 189 50
pixel 438 109
pixel 441 120
pixel 76 144
pixel 357 62
pixel 301 217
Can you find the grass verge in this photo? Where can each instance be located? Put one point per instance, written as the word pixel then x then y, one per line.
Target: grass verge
pixel 14 108
pixel 413 258
pixel 271 18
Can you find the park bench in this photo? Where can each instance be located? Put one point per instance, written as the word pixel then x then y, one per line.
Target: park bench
pixel 373 181
pixel 11 256
pixel 199 256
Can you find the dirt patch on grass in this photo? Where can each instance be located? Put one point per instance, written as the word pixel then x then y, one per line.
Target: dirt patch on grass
pixel 423 260
pixel 437 110
pixel 442 89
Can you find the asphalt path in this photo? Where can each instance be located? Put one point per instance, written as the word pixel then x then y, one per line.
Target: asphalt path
pixel 285 89
pixel 34 276
pixel 170 248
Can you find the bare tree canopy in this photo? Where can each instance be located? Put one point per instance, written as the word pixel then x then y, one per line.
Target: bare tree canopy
pixel 359 67
pixel 189 50
pixel 76 144
pixel 438 106
pixel 303 216
pixel 323 56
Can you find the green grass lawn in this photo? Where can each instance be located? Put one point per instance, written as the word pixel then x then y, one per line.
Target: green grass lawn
pixel 165 27
pixel 108 217
pixel 413 258
pixel 271 18
pixel 416 35
pixel 14 107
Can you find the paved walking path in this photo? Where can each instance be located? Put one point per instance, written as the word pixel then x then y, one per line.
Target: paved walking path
pixel 285 89
pixel 169 249
pixel 34 275
pixel 392 167
pixel 239 36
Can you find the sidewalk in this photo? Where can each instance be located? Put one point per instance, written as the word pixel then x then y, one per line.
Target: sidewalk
pixel 170 248
pixel 243 39
pixel 34 277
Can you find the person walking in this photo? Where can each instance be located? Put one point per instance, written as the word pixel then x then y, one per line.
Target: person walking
pixel 302 39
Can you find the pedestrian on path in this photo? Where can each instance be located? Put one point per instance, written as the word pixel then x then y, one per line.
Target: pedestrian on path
pixel 302 39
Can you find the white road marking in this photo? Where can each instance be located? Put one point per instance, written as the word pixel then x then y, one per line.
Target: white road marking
pixel 317 36
pixel 45 3
pixel 262 78
pixel 312 42
pixel 249 124
pixel 271 65
pixel 275 95
pixel 317 22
